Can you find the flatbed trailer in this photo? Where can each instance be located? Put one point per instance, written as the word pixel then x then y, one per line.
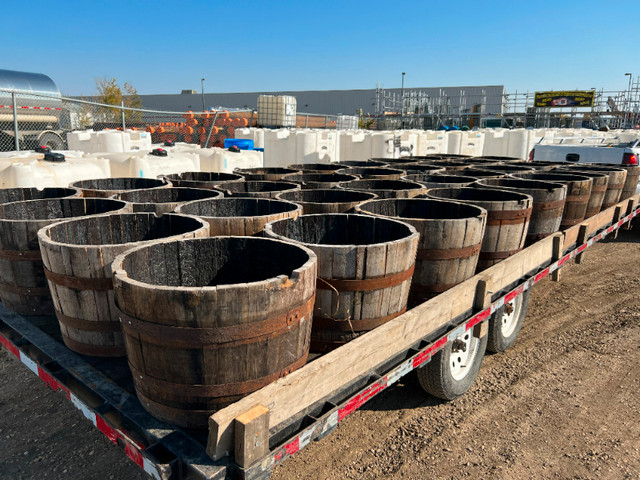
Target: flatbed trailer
pixel 250 437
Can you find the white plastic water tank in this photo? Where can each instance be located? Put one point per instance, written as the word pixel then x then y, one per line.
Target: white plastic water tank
pixel 109 141
pixel 216 159
pixel 47 170
pixel 431 142
pixel 471 143
pixel 382 145
pixel 346 122
pixel 255 134
pixel 519 143
pixel 355 145
pixel 454 141
pixel 152 163
pixel 316 146
pixel 495 142
pixel 276 111
pixel 279 148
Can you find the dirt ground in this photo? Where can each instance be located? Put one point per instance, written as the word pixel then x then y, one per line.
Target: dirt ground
pixel 562 403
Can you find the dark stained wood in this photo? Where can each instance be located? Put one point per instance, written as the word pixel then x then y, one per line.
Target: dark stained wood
pixel 387 188
pixel 598 189
pixel 316 167
pixel 440 180
pixel 451 235
pixel 508 214
pixel 315 181
pixel 353 247
pixel 256 189
pixel 164 200
pixel 266 174
pixel 20 194
pixel 239 216
pixel 207 321
pixel 107 187
pixel 327 200
pixel 374 173
pixel 631 183
pixel 362 163
pixel 617 180
pixel 202 179
pixel 23 285
pixel 79 253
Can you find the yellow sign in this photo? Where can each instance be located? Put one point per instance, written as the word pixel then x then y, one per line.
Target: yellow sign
pixel 574 98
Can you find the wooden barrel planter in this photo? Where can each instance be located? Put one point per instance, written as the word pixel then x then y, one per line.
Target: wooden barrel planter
pixel 222 317
pixel 77 256
pixel 202 179
pixel 598 189
pixel 387 188
pixel 374 173
pixel 316 167
pixel 328 200
pixel 548 203
pixel 631 183
pixel 452 165
pixel 494 158
pixel 617 179
pixel 508 214
pixel 365 265
pixel 440 180
pixel 451 235
pixel 392 162
pixel 319 180
pixel 265 174
pixel 412 168
pixel 164 200
pixel 256 189
pixel 481 172
pixel 239 216
pixel 511 169
pixel 107 187
pixel 362 163
pixel 23 286
pixel 542 166
pixel 578 194
pixel 20 194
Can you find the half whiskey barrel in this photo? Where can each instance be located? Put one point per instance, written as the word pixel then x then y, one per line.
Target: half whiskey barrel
pixel 508 214
pixel 315 181
pixel 77 256
pixel 265 174
pixel 598 189
pixel 412 168
pixel 617 180
pixel 362 163
pixel 578 194
pixel 207 321
pixel 365 265
pixel 374 173
pixel 316 167
pixel 548 203
pixel 202 179
pixel 631 183
pixel 440 180
pixel 256 189
pixel 327 201
pixel 107 187
pixel 239 216
pixel 510 168
pixel 23 286
pixel 164 200
pixel 20 194
pixel 451 235
pixel 387 188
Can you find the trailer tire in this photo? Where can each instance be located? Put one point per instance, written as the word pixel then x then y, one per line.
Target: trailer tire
pixel 505 326
pixel 449 374
pixel 52 140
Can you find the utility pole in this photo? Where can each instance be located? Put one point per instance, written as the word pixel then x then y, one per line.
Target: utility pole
pixel 202 90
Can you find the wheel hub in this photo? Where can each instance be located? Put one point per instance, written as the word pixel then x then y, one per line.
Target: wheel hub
pixel 463 352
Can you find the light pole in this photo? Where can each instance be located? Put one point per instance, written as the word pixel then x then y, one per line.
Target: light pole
pixel 402 95
pixel 202 90
pixel 627 98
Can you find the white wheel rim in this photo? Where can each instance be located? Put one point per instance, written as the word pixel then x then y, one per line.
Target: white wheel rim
pixel 509 321
pixel 461 361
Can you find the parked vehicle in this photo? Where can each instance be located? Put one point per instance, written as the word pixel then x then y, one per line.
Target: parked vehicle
pixel 622 153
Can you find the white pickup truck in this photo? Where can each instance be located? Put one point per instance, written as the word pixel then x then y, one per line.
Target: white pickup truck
pixel 606 151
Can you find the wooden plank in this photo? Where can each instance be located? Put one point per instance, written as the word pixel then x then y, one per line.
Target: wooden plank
pixel 617 215
pixel 292 394
pixel 558 245
pixel 252 436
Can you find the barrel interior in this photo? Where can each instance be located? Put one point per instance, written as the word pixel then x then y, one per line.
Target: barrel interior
pixel 554 177
pixel 367 172
pixel 422 178
pixel 477 194
pixel 168 195
pixel 341 229
pixel 31 193
pixel 320 178
pixel 520 183
pixel 123 183
pixel 51 209
pixel 383 185
pixel 212 262
pixel 123 228
pixel 237 207
pixel 256 186
pixel 326 196
pixel 321 167
pixel 361 163
pixel 210 178
pixel 424 209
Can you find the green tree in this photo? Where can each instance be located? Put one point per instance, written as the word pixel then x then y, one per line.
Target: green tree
pixel 111 93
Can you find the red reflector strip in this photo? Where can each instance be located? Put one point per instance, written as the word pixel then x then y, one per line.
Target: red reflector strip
pixel 359 400
pixel 477 318
pixel 9 346
pixel 134 454
pixel 293 447
pixel 541 275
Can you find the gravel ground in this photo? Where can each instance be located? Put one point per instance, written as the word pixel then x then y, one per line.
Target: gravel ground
pixel 562 403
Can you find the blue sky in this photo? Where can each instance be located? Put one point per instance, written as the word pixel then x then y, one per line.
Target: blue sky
pixel 239 46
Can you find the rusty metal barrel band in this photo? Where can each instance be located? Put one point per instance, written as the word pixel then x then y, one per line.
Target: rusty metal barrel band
pixel 361 325
pixel 508 217
pixel 98 350
pixel 88 325
pixel 544 206
pixel 79 283
pixel 498 255
pixel 154 385
pixel 436 288
pixel 598 188
pixel 365 285
pixel 615 186
pixel 20 290
pixel 212 338
pixel 20 255
pixel 449 253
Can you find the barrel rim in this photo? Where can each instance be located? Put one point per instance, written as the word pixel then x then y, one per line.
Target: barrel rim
pixel 525 198
pixel 482 212
pixel 124 208
pixel 119 275
pixel 268 229
pixel 409 185
pixel 45 239
pixel 168 177
pixel 76 194
pixel 569 177
pixel 552 185
pixel 117 196
pixel 179 208
pixel 278 197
